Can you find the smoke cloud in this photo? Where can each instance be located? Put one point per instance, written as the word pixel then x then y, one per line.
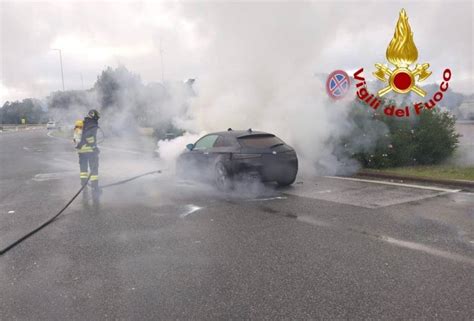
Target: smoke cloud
pixel 260 66
pixel 254 63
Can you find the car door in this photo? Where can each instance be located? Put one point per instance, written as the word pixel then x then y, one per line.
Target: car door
pixel 222 150
pixel 201 151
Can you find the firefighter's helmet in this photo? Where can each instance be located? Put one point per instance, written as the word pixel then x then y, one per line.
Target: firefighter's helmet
pixel 94 114
pixel 79 124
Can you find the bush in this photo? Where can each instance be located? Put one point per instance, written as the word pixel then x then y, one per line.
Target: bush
pixel 421 140
pixel 435 137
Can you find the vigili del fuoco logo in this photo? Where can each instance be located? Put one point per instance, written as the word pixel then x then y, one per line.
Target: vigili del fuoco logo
pixel 402 78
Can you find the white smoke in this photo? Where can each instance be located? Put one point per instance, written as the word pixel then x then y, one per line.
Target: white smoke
pixel 170 149
pixel 256 70
pixel 259 73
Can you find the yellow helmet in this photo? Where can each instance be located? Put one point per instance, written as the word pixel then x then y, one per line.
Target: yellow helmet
pixel 79 123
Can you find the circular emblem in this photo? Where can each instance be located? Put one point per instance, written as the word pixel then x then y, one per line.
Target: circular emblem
pixel 401 80
pixel 337 84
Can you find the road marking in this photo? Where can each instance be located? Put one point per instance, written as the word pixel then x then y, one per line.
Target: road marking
pixel 368 195
pixel 267 199
pixel 427 249
pixel 323 192
pixel 433 188
pixel 410 199
pixel 311 220
pixel 191 209
pixel 51 176
pixel 393 241
pixel 49 135
pixel 183 182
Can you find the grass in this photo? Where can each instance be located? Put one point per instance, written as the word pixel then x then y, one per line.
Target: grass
pixel 432 171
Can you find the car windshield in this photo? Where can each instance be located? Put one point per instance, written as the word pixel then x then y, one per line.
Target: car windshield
pixel 260 141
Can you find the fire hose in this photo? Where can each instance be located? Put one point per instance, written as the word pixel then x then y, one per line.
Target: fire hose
pixel 52 219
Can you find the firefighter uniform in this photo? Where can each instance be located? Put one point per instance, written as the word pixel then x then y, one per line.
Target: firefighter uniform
pixel 88 151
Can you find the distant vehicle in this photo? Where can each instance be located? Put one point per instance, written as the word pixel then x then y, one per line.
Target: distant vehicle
pixel 51 125
pixel 223 157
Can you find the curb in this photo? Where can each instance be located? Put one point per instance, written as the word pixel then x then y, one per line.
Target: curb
pixel 468 185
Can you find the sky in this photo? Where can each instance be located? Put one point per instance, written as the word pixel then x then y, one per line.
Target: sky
pixel 221 40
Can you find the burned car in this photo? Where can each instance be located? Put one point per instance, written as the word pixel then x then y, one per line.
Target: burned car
pixel 224 157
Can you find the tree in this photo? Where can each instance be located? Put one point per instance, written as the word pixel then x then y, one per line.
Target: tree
pixel 29 109
pixel 117 87
pixel 66 99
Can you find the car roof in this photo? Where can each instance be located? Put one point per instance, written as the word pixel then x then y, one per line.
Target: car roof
pixel 241 133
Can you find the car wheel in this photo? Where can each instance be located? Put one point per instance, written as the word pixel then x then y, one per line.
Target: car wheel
pixel 222 178
pixel 288 180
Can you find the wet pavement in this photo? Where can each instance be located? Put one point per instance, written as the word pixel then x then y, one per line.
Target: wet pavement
pixel 159 248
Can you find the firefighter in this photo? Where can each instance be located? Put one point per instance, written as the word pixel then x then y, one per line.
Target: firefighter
pixel 89 152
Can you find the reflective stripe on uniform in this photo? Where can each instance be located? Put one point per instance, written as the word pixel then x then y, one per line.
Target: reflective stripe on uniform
pixel 85 149
pixel 84 175
pixel 90 140
pixel 94 177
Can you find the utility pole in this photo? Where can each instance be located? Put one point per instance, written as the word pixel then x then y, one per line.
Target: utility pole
pixel 162 68
pixel 61 63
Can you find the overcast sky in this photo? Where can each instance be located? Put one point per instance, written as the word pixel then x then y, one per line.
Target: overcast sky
pixel 199 38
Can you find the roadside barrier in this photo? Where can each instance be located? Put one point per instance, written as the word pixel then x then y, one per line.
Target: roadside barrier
pixel 15 128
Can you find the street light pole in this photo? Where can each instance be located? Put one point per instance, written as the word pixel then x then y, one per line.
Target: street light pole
pixel 162 68
pixel 61 63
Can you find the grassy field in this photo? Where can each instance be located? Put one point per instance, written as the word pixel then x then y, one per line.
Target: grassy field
pixel 432 171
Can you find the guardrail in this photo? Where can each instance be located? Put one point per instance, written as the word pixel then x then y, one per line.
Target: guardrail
pixel 17 127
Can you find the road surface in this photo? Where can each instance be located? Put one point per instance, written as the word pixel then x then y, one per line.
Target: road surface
pixel 160 249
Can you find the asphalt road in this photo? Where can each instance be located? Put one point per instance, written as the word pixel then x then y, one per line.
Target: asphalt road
pixel 160 249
